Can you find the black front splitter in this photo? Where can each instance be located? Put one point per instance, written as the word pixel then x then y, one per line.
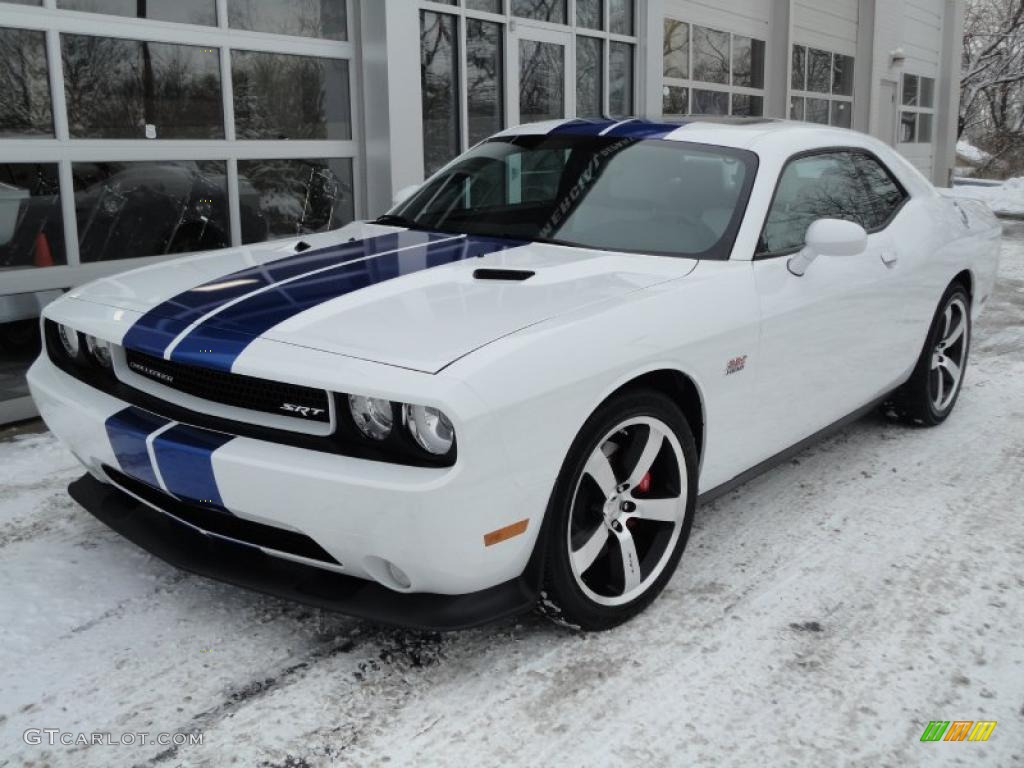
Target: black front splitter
pixel 246 566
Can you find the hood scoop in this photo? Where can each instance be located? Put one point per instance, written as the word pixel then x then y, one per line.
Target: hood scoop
pixel 503 275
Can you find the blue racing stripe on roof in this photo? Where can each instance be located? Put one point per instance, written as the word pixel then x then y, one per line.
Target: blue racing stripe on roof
pixel 127 431
pixel 583 127
pixel 218 342
pixel 184 455
pixel 156 329
pixel 642 129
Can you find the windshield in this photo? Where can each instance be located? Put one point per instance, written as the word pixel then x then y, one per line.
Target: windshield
pixel 657 197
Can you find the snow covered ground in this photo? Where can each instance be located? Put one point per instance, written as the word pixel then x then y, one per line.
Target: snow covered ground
pixel 823 614
pixel 1006 199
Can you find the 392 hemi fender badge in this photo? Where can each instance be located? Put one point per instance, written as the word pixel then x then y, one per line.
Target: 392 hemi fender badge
pixel 736 365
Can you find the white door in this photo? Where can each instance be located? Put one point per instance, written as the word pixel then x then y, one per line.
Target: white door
pixel 886 130
pixel 826 336
pixel 542 75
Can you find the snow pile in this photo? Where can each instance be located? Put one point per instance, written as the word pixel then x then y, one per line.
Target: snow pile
pixel 1006 199
pixel 971 153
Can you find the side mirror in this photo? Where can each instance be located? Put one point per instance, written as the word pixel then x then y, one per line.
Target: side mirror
pixel 404 194
pixel 829 237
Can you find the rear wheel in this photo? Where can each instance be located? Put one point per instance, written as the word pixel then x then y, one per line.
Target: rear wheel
pixel 621 512
pixel 932 391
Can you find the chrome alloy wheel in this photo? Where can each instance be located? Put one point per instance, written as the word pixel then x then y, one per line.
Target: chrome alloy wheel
pixel 949 356
pixel 627 511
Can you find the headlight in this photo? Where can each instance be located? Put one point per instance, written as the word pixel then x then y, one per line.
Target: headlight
pixel 430 428
pixel 69 339
pixel 100 351
pixel 374 417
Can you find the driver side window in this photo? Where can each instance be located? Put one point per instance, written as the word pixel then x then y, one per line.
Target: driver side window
pixel 820 186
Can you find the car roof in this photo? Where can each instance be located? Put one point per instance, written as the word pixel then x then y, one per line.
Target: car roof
pixel 755 133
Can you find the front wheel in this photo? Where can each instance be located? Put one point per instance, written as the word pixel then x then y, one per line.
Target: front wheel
pixel 933 389
pixel 620 513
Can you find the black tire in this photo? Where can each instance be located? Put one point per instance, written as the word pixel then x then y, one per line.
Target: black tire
pixel 917 401
pixel 658 544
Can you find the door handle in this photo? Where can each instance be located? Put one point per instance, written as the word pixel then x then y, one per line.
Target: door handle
pixel 889 258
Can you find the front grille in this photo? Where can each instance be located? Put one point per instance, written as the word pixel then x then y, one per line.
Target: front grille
pixel 223 523
pixel 263 395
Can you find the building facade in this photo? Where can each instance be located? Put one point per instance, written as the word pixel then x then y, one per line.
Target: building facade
pixel 134 130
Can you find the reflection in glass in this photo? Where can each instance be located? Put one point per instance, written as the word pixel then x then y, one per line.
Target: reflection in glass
pixel 31 225
pixel 621 12
pixel 817 111
pixel 675 100
pixel 439 75
pixel 676 49
pixel 589 77
pixel 620 79
pixel 493 6
pixel 128 89
pixel 710 55
pixel 588 13
pixel 884 195
pixel 747 62
pixel 126 210
pixel 296 197
pixel 842 114
pixel 796 108
pixel 927 94
pixel 484 78
pixel 910 90
pixel 819 71
pixel 747 106
pixel 908 127
pixel 305 18
pixel 799 74
pixel 541 81
pixel 842 77
pixel 280 96
pixel 542 10
pixel 924 128
pixel 710 103
pixel 183 11
pixel 24 84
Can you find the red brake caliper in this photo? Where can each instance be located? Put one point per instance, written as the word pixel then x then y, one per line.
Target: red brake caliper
pixel 644 486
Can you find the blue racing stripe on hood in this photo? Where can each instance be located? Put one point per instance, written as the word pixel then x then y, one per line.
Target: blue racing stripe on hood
pixel 155 330
pixel 217 342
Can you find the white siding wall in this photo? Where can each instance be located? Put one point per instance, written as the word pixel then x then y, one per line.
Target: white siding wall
pixel 830 25
pixel 742 17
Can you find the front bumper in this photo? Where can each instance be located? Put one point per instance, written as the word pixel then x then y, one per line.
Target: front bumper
pixel 190 549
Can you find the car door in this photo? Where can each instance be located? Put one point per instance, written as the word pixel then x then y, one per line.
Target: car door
pixel 823 334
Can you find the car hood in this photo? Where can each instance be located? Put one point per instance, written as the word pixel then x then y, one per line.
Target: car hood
pixel 408 298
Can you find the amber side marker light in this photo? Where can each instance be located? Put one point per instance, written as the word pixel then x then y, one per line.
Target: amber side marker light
pixel 506 533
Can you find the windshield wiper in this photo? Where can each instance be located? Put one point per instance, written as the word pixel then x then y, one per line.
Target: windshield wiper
pixel 394 220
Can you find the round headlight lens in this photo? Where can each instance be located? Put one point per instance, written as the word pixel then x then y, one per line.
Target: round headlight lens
pixel 69 340
pixel 100 351
pixel 430 428
pixel 374 416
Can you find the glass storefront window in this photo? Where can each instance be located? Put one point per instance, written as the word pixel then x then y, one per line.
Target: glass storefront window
pixel 491 6
pixel 439 74
pixel 677 49
pixel 183 11
pixel 620 79
pixel 589 76
pixel 675 100
pixel 541 81
pixel 555 11
pixel 485 82
pixel 126 210
pixel 31 224
pixel 282 96
pixel 819 71
pixel 710 102
pixel 589 14
pixel 710 55
pixel 296 197
pixel 621 13
pixel 842 75
pixel 748 62
pixel 822 72
pixel 326 19
pixel 25 107
pixel 744 105
pixel 129 89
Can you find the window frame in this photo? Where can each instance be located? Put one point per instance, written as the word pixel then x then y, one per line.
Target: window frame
pixel 691 84
pixel 804 94
pixel 917 110
pixel 760 255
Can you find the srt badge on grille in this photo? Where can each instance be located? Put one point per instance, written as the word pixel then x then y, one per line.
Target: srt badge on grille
pixel 303 410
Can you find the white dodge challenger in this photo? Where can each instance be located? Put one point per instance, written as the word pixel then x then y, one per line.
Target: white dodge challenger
pixel 512 390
